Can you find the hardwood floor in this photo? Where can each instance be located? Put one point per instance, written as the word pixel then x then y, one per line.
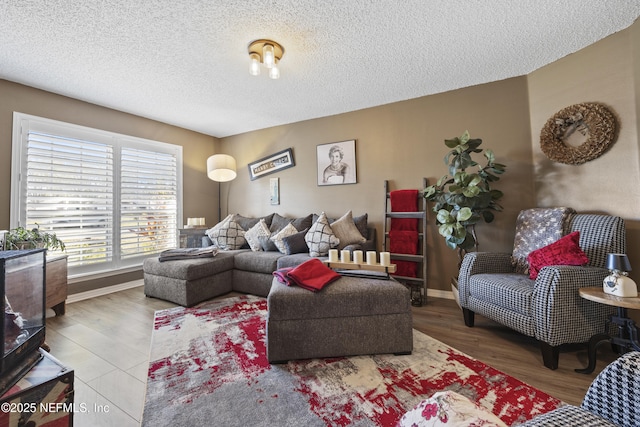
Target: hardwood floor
pixel 106 341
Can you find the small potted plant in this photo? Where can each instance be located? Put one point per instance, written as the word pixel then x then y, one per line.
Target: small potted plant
pixel 463 198
pixel 22 238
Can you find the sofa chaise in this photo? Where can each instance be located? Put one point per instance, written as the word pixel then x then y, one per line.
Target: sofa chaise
pixel 242 267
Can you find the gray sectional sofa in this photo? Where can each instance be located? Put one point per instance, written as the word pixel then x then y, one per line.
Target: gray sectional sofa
pixel 191 281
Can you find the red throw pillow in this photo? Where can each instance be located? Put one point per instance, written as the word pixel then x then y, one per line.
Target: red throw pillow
pixel 564 251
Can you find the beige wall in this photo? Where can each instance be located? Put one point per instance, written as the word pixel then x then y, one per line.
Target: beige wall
pixel 607 72
pixel 200 194
pixel 401 142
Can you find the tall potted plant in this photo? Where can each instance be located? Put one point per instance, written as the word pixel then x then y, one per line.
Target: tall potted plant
pixel 464 198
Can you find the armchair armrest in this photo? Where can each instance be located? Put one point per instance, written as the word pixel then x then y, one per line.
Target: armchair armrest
pixel 560 315
pixel 613 394
pixel 478 263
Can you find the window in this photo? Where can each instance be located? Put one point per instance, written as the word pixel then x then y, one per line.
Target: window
pixel 113 199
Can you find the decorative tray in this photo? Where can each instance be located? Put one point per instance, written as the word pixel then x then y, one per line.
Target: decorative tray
pixel 336 265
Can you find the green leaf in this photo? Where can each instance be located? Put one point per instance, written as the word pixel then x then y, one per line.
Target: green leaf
pixel 452 143
pixel 451 244
pixel 475 180
pixel 496 194
pixel 464 214
pixel 473 145
pixel 471 191
pixel 468 243
pixel 442 180
pixel 429 192
pixel 445 217
pixel 465 137
pixel 490 156
pixel 487 216
pixel 446 230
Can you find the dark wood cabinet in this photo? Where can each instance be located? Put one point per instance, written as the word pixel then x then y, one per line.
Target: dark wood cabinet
pixel 56 284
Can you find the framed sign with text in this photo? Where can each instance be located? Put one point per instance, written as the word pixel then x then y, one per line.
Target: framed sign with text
pixel 270 164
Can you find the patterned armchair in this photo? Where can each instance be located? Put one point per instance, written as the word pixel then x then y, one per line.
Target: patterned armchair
pixel 613 399
pixel 549 308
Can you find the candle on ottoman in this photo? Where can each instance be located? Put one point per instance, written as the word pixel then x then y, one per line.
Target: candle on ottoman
pixel 333 255
pixel 371 257
pixel 385 258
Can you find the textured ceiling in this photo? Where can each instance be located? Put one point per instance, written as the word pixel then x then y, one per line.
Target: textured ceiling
pixel 185 62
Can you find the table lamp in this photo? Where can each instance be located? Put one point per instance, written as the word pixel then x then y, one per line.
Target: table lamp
pixel 618 283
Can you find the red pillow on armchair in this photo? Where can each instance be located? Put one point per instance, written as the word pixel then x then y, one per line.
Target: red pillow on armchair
pixel 564 251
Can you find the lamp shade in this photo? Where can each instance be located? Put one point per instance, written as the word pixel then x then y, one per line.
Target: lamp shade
pixel 221 167
pixel 618 262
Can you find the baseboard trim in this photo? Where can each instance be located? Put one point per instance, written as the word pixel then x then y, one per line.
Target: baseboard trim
pixel 437 293
pixel 80 296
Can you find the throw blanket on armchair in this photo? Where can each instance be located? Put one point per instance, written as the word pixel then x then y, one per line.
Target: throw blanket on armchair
pixel 403 235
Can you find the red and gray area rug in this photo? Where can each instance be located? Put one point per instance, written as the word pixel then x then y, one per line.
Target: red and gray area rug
pixel 208 367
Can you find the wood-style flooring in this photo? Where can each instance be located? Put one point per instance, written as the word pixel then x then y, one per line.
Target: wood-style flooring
pixel 106 341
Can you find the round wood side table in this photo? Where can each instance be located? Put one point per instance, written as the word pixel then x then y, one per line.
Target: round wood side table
pixel 628 333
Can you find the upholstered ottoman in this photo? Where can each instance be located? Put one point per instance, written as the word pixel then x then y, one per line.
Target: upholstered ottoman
pixel 189 281
pixel 351 316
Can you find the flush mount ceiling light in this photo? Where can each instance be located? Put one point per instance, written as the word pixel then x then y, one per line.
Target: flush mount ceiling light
pixel 267 53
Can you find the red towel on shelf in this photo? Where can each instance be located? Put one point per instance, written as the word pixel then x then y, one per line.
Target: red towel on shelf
pixel 312 275
pixel 404 242
pixel 404 201
pixel 403 235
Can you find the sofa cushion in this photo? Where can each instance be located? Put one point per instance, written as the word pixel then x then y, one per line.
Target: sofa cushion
pixel 511 291
pixel 253 235
pixel 258 262
pixel 293 260
pixel 216 228
pixel 564 251
pixel 277 239
pixel 247 222
pixel 228 236
pixel 302 223
pixel 536 228
pixel 361 223
pixel 278 222
pixel 190 269
pixel 320 237
pixel 295 244
pixel 346 231
pixel 346 297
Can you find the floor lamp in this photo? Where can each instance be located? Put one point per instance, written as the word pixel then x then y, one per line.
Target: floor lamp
pixel 221 168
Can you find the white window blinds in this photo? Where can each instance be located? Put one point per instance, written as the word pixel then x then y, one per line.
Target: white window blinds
pixel 113 199
pixel 148 211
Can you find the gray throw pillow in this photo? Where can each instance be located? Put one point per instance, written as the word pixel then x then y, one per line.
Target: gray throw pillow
pixel 295 244
pixel 278 222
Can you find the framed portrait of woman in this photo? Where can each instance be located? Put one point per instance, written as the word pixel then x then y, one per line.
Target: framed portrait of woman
pixel 337 163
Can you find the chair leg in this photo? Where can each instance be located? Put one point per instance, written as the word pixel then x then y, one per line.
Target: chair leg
pixel 469 317
pixel 550 355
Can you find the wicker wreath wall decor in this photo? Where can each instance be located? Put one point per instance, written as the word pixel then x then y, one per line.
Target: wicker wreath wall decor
pixel 593 120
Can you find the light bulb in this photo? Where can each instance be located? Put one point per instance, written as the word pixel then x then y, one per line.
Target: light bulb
pixel 254 67
pixel 274 72
pixel 268 55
